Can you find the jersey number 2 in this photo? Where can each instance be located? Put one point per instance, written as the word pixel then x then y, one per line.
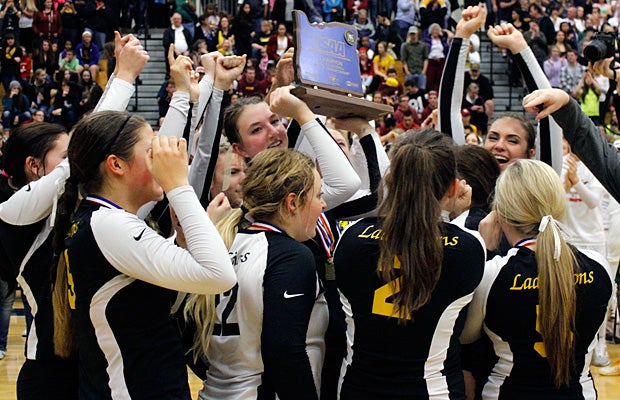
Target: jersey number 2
pixel 226 328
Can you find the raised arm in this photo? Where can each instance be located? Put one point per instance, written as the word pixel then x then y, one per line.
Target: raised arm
pixel 549 134
pixel 452 79
pixel 340 181
pixel 601 158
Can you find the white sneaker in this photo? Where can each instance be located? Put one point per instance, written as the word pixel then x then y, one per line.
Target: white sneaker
pixel 2 353
pixel 601 356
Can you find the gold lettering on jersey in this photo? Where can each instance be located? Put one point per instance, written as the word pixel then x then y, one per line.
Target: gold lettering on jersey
pixel 539 347
pixel 73 229
pixel 70 284
pixel 582 278
pixel 236 258
pixel 450 241
pixel 371 233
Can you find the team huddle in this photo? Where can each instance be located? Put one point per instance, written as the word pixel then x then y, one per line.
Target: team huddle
pixel 335 270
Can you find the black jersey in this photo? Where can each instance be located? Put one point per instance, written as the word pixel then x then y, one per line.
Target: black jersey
pixel 122 280
pixel 508 301
pixel 416 360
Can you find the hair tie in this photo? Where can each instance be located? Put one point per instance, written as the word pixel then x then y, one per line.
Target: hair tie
pixel 557 230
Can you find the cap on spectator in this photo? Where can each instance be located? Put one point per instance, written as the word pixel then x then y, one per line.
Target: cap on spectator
pixel 14 84
pixel 432 92
pixel 465 112
pixel 474 67
pixel 413 29
pixel 391 82
pixel 87 32
pixel 363 49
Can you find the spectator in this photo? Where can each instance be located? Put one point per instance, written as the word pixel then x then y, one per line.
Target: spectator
pixel 65 110
pixel 367 72
pixel 588 92
pixel 25 68
pixel 417 100
pixel 259 10
pixel 562 44
pixel 503 10
pixel 553 66
pixel 206 32
pixel 363 25
pixel 574 20
pixel 432 12
pixel 90 92
pixel 10 62
pixel 70 62
pixel 544 22
pixel 243 30
pixel 46 59
pixel 10 15
pixel 414 55
pixel 484 86
pixel 38 116
pixel 249 85
pixel 333 11
pixel 71 24
pixel 163 102
pixel 405 16
pixel 100 21
pixel 389 92
pixel 187 10
pixel 517 20
pixel 178 35
pixel 16 107
pixel 387 32
pixel 199 48
pixel 475 104
pixel 47 24
pixel 382 61
pixel 39 92
pixel 261 40
pixel 224 32
pixel 537 42
pixel 432 104
pixel 159 10
pixel 403 106
pixel 87 54
pixel 26 34
pixel 438 49
pixel 279 43
pixel 571 74
pixel 408 121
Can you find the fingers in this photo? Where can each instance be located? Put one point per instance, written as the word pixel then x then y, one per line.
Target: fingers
pixel 171 54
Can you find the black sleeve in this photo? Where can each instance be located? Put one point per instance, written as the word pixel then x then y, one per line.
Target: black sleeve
pixel 369 202
pixel 586 141
pixel 450 91
pixel 285 324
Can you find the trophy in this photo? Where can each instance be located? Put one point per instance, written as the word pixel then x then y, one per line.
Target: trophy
pixel 327 70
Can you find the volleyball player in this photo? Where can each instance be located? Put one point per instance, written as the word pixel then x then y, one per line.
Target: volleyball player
pixel 543 303
pixel 405 279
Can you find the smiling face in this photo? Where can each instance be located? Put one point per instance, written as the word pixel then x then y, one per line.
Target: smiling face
pixel 507 140
pixel 308 213
pixel 231 185
pixel 259 129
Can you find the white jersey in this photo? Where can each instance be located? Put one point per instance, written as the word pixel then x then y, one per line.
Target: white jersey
pixel 269 332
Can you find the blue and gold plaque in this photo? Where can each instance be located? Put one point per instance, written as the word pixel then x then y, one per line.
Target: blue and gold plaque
pixel 326 56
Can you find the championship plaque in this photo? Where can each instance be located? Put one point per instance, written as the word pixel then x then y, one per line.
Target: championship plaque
pixel 327 70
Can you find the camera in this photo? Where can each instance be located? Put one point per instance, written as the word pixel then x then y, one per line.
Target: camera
pixel 603 45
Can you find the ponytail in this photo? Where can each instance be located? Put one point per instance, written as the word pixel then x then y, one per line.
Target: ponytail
pixel 557 299
pixel 411 231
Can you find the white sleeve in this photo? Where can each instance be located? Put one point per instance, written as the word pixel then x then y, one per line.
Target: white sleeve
pixel 592 197
pixel 477 308
pixel 340 181
pixel 204 269
pixel 176 117
pixel 116 96
pixel 206 88
pixel 36 200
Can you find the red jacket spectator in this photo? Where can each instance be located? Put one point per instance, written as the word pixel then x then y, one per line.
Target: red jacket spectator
pixel 273 50
pixel 250 86
pixel 47 24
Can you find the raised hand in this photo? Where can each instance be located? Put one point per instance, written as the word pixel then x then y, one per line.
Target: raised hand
pixel 283 103
pixel 550 100
pixel 218 208
pixel 604 67
pixel 472 19
pixel 208 63
pixel 168 162
pixel 131 59
pixel 227 69
pixel 508 37
pixel 490 229
pixel 181 70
